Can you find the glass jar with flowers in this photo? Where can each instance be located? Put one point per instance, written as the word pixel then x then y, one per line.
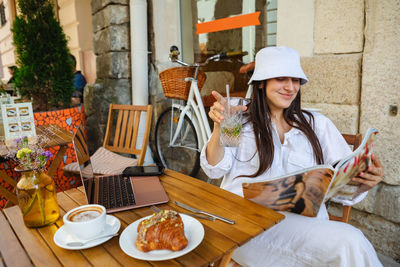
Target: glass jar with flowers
pixel 36 190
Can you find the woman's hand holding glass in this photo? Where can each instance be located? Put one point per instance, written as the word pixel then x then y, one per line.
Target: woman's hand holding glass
pixel 227 112
pixel 215 151
pixel 217 109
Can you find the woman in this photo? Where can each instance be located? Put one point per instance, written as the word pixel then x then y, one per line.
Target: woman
pixel 278 138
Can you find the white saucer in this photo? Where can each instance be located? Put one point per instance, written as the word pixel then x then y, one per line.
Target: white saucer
pixel 62 237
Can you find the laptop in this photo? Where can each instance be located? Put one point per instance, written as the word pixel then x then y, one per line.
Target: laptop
pixel 115 192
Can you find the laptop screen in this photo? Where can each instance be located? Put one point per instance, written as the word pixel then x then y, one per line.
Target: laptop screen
pixel 85 165
pixel 115 192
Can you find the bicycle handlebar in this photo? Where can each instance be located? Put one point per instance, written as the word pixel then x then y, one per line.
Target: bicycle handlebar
pixel 236 53
pixel 174 53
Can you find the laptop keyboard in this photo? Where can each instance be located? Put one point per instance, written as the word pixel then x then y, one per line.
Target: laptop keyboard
pixel 115 191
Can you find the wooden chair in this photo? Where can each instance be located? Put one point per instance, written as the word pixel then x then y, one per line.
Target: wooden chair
pixel 121 137
pixel 9 195
pixel 355 141
pixel 82 150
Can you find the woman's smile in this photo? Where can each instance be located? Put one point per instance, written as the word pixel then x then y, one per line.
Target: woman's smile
pixel 281 92
pixel 287 95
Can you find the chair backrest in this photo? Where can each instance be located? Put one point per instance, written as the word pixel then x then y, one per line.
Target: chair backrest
pixel 9 195
pixel 353 140
pixel 80 145
pixel 123 129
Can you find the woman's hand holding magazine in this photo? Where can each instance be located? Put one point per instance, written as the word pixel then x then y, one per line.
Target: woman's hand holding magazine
pixel 351 176
pixel 371 177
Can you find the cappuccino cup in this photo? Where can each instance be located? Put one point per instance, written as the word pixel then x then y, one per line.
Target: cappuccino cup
pixel 85 222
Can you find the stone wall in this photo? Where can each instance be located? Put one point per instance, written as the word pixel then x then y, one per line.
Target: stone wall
pixel 112 47
pixel 380 91
pixel 354 81
pixel 334 88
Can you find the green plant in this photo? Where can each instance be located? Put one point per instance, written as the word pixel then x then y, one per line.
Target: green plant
pixel 29 156
pixel 2 88
pixel 45 69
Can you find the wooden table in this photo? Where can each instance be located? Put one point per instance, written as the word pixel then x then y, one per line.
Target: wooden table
pixel 25 247
pixel 56 136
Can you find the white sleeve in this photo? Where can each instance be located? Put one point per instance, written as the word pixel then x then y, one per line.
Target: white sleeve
pixel 351 202
pixel 333 145
pixel 219 170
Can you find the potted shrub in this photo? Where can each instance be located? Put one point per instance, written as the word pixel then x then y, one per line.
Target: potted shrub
pixel 45 69
pixel 45 75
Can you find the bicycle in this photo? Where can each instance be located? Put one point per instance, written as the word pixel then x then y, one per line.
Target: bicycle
pixel 183 129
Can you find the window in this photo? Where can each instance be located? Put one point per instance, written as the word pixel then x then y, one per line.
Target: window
pixel 2 15
pixel 272 8
pixel 250 39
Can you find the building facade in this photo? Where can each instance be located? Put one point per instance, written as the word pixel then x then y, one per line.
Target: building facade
pixel 76 20
pixel 349 50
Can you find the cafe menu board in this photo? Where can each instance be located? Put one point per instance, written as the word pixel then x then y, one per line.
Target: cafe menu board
pixel 18 120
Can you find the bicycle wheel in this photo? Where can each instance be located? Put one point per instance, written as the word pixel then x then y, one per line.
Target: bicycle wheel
pixel 182 156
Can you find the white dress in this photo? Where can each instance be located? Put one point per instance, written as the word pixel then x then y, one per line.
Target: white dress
pixel 297 240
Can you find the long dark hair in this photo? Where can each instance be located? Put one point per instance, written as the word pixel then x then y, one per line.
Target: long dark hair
pixel 259 115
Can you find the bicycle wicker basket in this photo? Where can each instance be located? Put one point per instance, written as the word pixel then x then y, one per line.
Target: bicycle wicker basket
pixel 174 84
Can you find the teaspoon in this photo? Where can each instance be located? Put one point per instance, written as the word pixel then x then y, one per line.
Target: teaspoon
pixel 82 243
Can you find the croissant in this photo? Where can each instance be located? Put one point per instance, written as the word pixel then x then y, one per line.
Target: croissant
pixel 163 230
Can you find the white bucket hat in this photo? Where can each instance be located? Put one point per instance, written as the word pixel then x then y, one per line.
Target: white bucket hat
pixel 280 61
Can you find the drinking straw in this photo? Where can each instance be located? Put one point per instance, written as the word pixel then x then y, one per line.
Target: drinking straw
pixel 228 98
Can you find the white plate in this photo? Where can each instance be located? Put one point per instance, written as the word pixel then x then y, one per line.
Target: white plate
pixel 62 237
pixel 194 232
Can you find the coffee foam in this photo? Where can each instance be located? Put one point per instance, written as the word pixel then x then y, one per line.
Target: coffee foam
pixel 84 215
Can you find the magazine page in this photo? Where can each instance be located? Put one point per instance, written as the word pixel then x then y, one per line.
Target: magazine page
pixel 301 192
pixel 350 167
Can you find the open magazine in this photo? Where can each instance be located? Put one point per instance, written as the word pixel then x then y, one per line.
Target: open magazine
pixel 304 191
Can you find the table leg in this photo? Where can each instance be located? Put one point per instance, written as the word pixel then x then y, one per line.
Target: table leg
pixel 224 261
pixel 57 160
